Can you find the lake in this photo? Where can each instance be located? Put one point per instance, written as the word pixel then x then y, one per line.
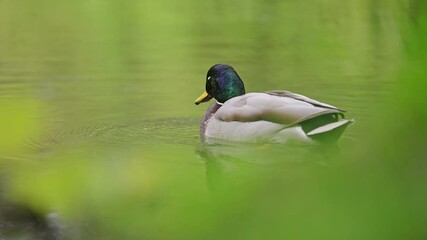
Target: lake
pixel 100 133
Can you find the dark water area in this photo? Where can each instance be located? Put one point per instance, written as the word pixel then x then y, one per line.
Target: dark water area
pixel 100 134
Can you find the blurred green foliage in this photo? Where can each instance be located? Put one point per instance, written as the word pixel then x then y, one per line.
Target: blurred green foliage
pixel 18 120
pixel 99 129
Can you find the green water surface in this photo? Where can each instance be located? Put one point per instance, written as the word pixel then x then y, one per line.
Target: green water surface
pixel 100 134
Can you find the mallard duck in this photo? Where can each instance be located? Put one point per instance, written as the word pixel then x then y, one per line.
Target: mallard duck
pixel 277 116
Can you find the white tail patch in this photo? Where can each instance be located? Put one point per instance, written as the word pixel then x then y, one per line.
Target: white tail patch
pixel 329 127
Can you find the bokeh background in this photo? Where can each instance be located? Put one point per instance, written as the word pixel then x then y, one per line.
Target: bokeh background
pixel 99 131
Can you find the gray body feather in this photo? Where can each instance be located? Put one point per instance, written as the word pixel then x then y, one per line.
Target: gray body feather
pixel 277 116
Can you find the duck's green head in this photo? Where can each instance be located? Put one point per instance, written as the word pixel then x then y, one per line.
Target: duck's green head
pixel 222 83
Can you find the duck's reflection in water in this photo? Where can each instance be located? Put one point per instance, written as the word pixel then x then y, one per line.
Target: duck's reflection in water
pixel 234 165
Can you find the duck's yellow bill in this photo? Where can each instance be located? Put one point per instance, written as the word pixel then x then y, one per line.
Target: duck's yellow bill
pixel 203 98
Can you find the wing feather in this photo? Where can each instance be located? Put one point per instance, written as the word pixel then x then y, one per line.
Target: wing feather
pixel 286 108
pixel 284 93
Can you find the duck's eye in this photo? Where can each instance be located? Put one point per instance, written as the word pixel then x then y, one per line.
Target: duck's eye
pixel 209 77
